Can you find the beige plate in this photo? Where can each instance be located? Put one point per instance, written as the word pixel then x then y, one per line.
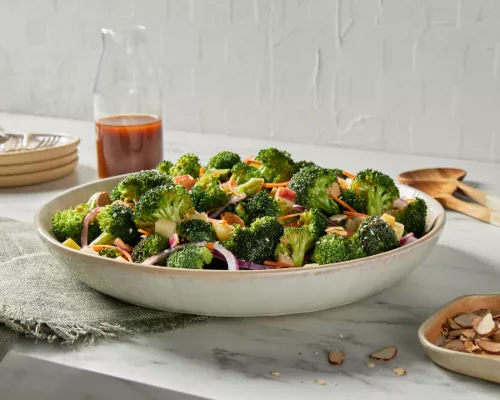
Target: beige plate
pixel 482 366
pixel 38 177
pixel 67 145
pixel 19 169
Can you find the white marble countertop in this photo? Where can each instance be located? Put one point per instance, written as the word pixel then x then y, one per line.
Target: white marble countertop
pixel 234 358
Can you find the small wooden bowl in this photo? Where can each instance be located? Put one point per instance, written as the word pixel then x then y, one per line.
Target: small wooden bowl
pixel 481 366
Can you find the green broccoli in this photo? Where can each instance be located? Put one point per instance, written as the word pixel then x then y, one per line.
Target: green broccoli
pixel 243 172
pixel 188 164
pixel 355 201
pixel 261 205
pixel 250 187
pixel 134 186
pixel 413 217
pixel 257 242
pixel 110 253
pixel 68 224
pixel 116 221
pixel 378 190
pixel 207 194
pixel 149 246
pixel 171 202
pixel 376 236
pixel 224 160
pixel 314 220
pixel 303 164
pixel 332 249
pixel 190 257
pixel 295 243
pixel 311 185
pixel 196 230
pixel 223 174
pixel 165 166
pixel 277 165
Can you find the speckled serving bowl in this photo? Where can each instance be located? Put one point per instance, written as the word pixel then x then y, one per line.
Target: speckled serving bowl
pixel 238 293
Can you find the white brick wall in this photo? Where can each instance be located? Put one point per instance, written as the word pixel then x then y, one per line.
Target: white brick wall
pixel 417 76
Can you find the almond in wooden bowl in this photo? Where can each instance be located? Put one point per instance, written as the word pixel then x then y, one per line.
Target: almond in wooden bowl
pixel 472 349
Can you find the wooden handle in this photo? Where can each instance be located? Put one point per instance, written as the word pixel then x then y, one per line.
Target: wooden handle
pixel 472 210
pixel 473 193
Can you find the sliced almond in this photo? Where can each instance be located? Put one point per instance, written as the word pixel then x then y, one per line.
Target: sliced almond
pixel 456 333
pixel 399 371
pixel 369 364
pixel 488 346
pixel 444 332
pixel 486 326
pixel 482 312
pixel 385 354
pixel 470 346
pixel 456 345
pixel 469 333
pixel 453 324
pixel 336 357
pixel 496 337
pixel 319 382
pixel 496 315
pixel 465 320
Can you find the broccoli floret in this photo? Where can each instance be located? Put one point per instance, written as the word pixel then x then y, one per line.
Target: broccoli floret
pixel 188 164
pixel 257 242
pixel 243 172
pixel 250 187
pixel 134 186
pixel 206 179
pixel 222 173
pixel 277 165
pixel 224 160
pixel 116 221
pixel 295 243
pixel 378 190
pixel 190 257
pixel 149 246
pixel 165 166
pixel 171 202
pixel 261 205
pixel 376 236
pixel 110 253
pixel 196 230
pixel 304 164
pixel 355 201
pixel 311 184
pixel 209 198
pixel 314 220
pixel 68 224
pixel 332 249
pixel 413 217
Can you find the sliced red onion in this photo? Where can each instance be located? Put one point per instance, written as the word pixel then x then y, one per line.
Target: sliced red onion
pixel 174 240
pixel 253 266
pixel 407 239
pixel 233 200
pixel 299 208
pixel 399 203
pixel 232 263
pixel 122 245
pixel 86 223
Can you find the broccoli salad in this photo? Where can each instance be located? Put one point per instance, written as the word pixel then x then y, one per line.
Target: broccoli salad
pixel 260 212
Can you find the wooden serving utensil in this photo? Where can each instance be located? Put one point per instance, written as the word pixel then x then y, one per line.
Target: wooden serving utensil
pixel 443 191
pixel 451 175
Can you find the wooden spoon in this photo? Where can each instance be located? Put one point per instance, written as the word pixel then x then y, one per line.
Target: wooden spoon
pixel 454 175
pixel 443 191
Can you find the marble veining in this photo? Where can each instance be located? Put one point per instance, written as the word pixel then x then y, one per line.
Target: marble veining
pixel 233 358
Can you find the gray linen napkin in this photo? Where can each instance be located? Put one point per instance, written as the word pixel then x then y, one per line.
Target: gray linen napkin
pixel 40 299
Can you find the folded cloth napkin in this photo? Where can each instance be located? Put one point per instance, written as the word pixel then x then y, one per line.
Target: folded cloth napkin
pixel 40 299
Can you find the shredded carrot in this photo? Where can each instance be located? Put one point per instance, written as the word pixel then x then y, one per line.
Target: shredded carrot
pixel 288 216
pixel 249 158
pixel 356 188
pixel 341 202
pixel 277 264
pixel 209 245
pixel 126 254
pixel 230 186
pixel 146 233
pixel 99 247
pixel 202 171
pixel 351 214
pixel 255 162
pixel 349 175
pixel 275 185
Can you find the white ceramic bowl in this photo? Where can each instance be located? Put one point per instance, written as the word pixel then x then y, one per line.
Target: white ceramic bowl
pixel 238 293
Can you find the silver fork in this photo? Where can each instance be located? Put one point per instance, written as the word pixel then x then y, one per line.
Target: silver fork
pixel 22 142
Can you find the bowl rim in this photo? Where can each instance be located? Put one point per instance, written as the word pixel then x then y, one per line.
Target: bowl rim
pixel 427 344
pixel 436 228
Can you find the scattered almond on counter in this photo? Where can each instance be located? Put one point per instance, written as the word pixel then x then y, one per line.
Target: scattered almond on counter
pixel 385 354
pixel 275 374
pixel 477 332
pixel 336 357
pixel 369 364
pixel 319 382
pixel 399 371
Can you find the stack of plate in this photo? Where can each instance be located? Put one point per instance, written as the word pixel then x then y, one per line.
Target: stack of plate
pixel 27 167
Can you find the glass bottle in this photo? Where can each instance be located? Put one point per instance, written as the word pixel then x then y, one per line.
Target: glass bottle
pixel 127 105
